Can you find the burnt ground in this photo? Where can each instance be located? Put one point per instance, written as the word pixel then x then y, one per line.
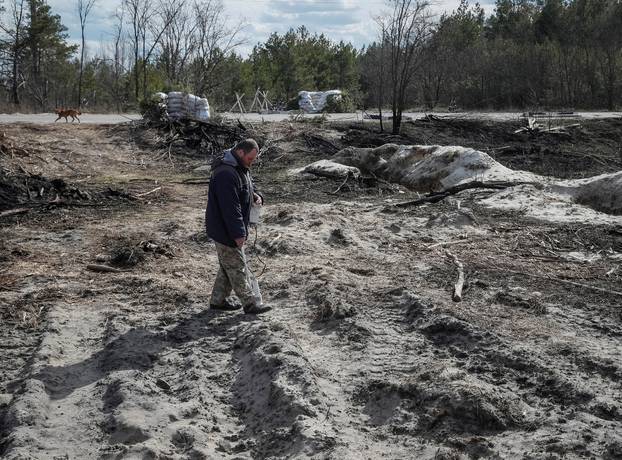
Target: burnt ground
pixel 365 354
pixel 592 148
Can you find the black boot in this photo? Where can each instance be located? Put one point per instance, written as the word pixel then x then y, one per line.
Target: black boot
pixel 256 309
pixel 226 306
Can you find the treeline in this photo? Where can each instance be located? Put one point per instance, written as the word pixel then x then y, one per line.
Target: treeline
pixel 36 63
pixel 529 53
pixel 526 54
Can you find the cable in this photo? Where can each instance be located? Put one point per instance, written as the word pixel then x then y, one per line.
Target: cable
pixel 256 254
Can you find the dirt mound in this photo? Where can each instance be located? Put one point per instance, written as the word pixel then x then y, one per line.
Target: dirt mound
pixel 21 189
pixel 602 193
pixel 330 304
pixel 437 169
pixel 279 398
pixel 450 402
pixel 429 168
pixel 125 251
pixel 17 189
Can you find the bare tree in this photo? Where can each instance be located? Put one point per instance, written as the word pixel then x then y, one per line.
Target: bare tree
pixel 215 41
pixel 148 27
pixel 373 70
pixel 139 12
pixel 13 45
pixel 406 29
pixel 119 56
pixel 157 25
pixel 178 41
pixel 84 8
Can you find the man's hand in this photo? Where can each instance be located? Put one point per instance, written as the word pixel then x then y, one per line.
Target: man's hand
pixel 240 242
pixel 257 199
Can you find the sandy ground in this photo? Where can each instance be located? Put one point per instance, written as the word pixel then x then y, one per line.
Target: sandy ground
pixel 365 354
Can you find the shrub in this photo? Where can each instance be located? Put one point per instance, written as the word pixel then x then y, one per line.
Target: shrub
pixel 292 104
pixel 152 109
pixel 339 104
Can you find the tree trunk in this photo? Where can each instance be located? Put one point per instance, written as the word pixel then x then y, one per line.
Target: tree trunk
pixel 144 69
pixel 397 123
pixel 136 77
pixel 14 85
pixel 380 112
pixel 81 72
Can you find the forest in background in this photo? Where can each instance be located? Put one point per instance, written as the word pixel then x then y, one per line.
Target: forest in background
pixel 527 54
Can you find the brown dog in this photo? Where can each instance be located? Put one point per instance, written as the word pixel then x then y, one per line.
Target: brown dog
pixel 64 113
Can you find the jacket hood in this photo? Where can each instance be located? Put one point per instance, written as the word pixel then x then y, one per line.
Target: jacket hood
pixel 227 158
pixel 230 159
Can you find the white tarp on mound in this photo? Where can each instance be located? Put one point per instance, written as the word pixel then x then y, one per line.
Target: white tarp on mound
pixel 184 105
pixel 315 101
pixel 328 168
pixel 434 168
pixel 431 168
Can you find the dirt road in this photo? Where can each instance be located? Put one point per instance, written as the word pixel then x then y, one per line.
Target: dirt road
pixel 365 355
pixel 98 118
pixel 48 118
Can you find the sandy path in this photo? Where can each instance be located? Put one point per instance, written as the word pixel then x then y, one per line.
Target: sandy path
pixel 50 118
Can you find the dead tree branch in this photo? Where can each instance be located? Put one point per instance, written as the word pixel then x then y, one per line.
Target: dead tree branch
pixel 435 197
pixel 559 280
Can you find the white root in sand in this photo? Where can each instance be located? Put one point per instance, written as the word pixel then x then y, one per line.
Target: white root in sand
pixel 457 297
pixel 103 268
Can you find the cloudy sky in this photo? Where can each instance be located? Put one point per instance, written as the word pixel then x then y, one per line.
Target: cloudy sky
pixel 348 20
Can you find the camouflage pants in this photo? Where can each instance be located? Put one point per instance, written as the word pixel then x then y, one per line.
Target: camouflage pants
pixel 235 275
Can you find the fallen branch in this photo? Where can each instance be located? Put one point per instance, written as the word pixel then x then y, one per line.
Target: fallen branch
pixel 149 193
pixel 342 184
pixel 435 197
pixel 192 181
pixel 14 212
pixel 103 268
pixel 64 163
pixel 457 297
pixel 315 141
pixel 74 204
pixel 559 280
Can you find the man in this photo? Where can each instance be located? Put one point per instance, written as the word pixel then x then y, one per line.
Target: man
pixel 231 195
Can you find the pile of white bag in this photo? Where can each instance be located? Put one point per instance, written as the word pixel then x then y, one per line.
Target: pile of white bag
pixel 196 107
pixel 315 101
pixel 183 105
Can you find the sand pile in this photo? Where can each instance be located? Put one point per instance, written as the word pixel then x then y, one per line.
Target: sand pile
pixel 278 397
pixel 436 168
pixel 430 168
pixel 602 193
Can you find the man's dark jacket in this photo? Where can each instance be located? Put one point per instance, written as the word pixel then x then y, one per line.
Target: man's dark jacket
pixel 229 200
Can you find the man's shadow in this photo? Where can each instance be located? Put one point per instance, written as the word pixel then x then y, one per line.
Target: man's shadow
pixel 138 348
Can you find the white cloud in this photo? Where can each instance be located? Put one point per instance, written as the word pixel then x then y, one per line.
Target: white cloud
pixel 347 20
pixel 99 23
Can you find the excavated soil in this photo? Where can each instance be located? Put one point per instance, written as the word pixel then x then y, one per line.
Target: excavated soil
pixel 364 355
